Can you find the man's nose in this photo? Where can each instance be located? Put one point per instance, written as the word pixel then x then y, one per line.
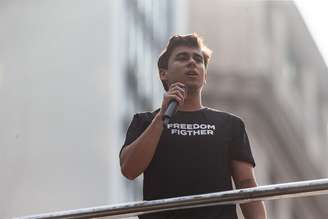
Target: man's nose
pixel 191 62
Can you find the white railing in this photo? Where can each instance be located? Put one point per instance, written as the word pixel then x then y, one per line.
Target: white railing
pixel 269 192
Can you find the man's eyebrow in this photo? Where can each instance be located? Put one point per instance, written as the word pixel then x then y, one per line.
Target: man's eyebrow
pixel 182 54
pixel 198 55
pixel 186 53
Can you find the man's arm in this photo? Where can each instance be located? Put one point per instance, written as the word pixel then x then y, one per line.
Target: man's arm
pixel 243 176
pixel 136 156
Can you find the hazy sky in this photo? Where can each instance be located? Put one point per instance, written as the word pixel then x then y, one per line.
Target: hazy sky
pixel 315 15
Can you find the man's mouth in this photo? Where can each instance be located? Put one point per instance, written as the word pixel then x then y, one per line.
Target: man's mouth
pixel 191 73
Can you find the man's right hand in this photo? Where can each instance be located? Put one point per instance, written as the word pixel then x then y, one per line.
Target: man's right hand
pixel 176 92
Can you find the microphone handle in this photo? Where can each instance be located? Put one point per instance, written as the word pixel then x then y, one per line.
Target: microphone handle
pixel 171 108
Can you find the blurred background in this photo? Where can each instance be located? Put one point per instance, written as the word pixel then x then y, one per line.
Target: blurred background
pixel 73 73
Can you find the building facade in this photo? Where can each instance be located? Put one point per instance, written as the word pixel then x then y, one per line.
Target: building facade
pixel 148 26
pixel 267 69
pixel 72 73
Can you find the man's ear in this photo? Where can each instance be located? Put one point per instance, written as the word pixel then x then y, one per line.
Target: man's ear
pixel 163 74
pixel 163 77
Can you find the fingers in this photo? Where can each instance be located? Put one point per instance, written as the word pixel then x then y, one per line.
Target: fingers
pixel 177 86
pixel 176 92
pixel 175 97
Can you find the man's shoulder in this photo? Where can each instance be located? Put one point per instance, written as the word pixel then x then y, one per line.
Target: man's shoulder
pixel 146 115
pixel 222 114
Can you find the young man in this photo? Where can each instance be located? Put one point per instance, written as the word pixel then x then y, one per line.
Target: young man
pixel 199 150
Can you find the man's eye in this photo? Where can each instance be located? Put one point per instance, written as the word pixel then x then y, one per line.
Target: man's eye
pixel 198 59
pixel 182 58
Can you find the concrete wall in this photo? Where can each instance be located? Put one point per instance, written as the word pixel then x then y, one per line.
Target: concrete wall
pixel 55 105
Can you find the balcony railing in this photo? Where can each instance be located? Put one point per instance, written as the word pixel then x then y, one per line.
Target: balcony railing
pixel 268 192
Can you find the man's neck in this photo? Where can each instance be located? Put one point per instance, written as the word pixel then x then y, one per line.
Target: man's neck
pixel 192 102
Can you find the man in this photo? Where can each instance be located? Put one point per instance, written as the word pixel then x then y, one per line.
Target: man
pixel 199 150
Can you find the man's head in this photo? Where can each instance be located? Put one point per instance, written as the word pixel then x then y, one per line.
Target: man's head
pixel 183 53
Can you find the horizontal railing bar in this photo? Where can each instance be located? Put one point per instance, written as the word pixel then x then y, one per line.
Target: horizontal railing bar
pixel 268 192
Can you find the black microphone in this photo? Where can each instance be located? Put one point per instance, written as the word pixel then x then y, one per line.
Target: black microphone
pixel 170 110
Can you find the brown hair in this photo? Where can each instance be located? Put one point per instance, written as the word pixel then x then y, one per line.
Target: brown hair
pixel 190 40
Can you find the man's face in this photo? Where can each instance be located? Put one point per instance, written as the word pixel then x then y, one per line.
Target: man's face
pixel 185 65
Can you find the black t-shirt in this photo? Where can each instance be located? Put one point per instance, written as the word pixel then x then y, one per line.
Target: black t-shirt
pixel 193 156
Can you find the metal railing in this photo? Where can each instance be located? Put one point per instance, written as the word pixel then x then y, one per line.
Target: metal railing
pixel 268 192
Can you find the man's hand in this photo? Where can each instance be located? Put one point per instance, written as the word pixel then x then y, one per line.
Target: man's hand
pixel 176 92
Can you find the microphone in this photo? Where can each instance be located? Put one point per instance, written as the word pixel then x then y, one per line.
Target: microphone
pixel 170 110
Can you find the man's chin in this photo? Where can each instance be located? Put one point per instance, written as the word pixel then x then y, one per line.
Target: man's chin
pixel 192 87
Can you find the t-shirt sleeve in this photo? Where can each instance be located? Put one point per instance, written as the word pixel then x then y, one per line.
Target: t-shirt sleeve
pixel 239 147
pixel 136 128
